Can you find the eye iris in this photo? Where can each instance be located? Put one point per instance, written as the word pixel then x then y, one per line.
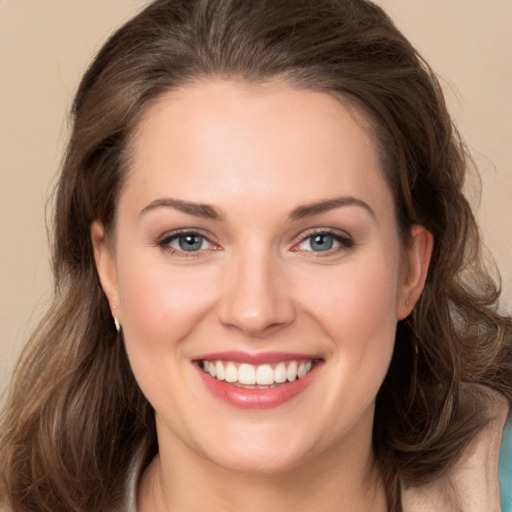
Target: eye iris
pixel 190 242
pixel 321 242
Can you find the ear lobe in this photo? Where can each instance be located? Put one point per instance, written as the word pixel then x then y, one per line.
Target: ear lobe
pixel 105 264
pixel 414 274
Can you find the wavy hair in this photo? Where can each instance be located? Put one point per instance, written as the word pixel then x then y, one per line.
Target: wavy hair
pixel 75 416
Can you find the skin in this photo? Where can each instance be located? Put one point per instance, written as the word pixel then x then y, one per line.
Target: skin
pixel 256 156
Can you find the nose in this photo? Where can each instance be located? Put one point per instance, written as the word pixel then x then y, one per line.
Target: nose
pixel 257 300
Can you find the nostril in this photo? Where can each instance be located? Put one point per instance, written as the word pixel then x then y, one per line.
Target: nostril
pixel 256 300
pixel 258 323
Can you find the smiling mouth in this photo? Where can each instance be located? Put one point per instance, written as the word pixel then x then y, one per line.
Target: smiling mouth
pixel 263 376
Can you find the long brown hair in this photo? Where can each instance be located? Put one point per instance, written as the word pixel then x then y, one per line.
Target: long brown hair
pixel 76 417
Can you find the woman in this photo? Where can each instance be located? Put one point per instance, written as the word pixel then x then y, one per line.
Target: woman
pixel 269 291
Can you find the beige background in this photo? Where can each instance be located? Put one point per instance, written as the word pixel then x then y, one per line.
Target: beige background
pixel 45 46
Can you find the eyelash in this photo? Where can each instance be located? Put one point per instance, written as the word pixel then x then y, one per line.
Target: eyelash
pixel 345 242
pixel 164 242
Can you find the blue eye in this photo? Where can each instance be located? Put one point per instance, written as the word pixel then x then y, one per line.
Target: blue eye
pixel 186 242
pixel 191 242
pixel 321 242
pixel 324 242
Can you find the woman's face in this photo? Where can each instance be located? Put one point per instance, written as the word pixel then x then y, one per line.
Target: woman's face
pixel 257 274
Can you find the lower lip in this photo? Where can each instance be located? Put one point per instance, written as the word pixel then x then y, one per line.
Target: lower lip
pixel 257 398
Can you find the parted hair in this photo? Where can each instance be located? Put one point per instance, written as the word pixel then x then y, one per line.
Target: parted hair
pixel 75 418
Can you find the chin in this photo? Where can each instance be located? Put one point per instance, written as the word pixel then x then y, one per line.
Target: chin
pixel 259 460
pixel 267 449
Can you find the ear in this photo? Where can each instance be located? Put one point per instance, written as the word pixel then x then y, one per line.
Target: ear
pixel 105 266
pixel 414 270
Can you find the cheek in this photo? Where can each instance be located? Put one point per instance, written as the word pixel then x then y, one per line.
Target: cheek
pixel 357 312
pixel 161 308
pixel 161 304
pixel 356 301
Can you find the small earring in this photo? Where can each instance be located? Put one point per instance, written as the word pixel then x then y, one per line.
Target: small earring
pixel 408 302
pixel 117 324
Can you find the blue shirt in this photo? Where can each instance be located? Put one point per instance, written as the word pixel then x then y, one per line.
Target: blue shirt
pixel 505 471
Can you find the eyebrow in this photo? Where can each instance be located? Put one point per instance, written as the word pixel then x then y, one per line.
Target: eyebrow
pixel 210 212
pixel 205 211
pixel 316 208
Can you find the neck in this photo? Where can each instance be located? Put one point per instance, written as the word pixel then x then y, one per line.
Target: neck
pixel 327 483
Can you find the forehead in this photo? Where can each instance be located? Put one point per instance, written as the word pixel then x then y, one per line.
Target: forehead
pixel 208 138
pixel 201 105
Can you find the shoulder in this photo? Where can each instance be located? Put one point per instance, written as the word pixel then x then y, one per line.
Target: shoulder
pixel 471 484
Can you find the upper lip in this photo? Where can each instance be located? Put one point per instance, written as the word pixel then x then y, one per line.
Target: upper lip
pixel 256 359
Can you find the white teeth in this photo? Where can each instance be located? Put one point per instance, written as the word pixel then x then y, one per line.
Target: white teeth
pixel 231 373
pixel 280 373
pixel 246 374
pixel 219 369
pixel 291 371
pixel 302 370
pixel 264 375
pixel 261 375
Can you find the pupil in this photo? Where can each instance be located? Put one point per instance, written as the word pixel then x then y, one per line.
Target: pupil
pixel 322 243
pixel 190 242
